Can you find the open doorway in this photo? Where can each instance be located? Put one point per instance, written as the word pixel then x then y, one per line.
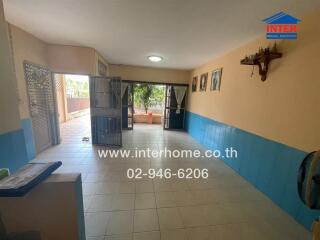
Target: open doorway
pixel 149 102
pixel 73 104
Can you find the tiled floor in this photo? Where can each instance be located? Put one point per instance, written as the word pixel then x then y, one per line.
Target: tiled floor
pixel 222 207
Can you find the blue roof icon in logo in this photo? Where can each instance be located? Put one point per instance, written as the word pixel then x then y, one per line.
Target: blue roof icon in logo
pixel 281 18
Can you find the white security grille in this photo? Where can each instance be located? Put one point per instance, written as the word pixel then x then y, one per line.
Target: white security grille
pixel 42 105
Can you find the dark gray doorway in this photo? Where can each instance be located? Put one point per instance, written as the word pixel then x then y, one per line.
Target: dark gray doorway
pixel 106 111
pixel 127 105
pixel 175 102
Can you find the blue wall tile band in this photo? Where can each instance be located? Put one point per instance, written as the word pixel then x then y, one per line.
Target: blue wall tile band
pixel 13 152
pixel 17 147
pixel 270 166
pixel 26 125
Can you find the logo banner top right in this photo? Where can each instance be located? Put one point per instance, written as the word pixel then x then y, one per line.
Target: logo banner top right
pixel 281 26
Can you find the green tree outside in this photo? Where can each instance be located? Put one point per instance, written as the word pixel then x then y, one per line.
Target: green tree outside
pixel 146 95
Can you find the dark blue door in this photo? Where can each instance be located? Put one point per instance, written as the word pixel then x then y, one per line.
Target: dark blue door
pixel 106 110
pixel 175 101
pixel 127 105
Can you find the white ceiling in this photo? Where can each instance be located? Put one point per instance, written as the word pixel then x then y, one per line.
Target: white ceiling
pixel 186 33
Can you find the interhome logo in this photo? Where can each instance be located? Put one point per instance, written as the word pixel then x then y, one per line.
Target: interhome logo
pixel 281 26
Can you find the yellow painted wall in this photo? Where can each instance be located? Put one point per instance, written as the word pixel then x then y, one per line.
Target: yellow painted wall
pixel 149 74
pixel 26 47
pixel 284 108
pixel 9 112
pixel 71 59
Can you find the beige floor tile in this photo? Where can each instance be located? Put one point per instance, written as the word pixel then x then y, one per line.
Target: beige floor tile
pixel 248 231
pixel 145 220
pixel 95 238
pixel 179 185
pixel 161 185
pixel 145 201
pixel 107 187
pixel 144 186
pixel 126 187
pixel 89 188
pixel 155 235
pixel 239 212
pixel 86 202
pixel 120 222
pixel 201 184
pixel 225 232
pixel 100 203
pixel 217 214
pixel 193 216
pixel 94 177
pixel 117 176
pixel 184 198
pixel 255 230
pixel 169 218
pixel 96 223
pixel 174 234
pixel 205 197
pixel 199 233
pixel 165 199
pixel 122 201
pixel 119 237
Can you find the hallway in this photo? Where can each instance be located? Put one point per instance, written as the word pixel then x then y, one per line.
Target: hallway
pixel 224 206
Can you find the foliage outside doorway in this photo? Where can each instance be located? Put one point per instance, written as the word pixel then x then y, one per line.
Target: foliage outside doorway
pixel 148 103
pixel 149 97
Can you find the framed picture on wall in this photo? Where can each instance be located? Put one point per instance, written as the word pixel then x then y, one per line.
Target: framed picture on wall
pixel 203 82
pixel 216 79
pixel 194 83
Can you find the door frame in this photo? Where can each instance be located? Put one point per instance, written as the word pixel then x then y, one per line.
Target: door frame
pixel 164 84
pixel 69 73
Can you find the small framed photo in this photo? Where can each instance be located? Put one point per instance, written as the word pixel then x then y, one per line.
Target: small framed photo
pixel 194 83
pixel 203 82
pixel 216 80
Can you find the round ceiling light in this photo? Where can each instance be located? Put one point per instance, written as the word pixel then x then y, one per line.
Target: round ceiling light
pixel 155 58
